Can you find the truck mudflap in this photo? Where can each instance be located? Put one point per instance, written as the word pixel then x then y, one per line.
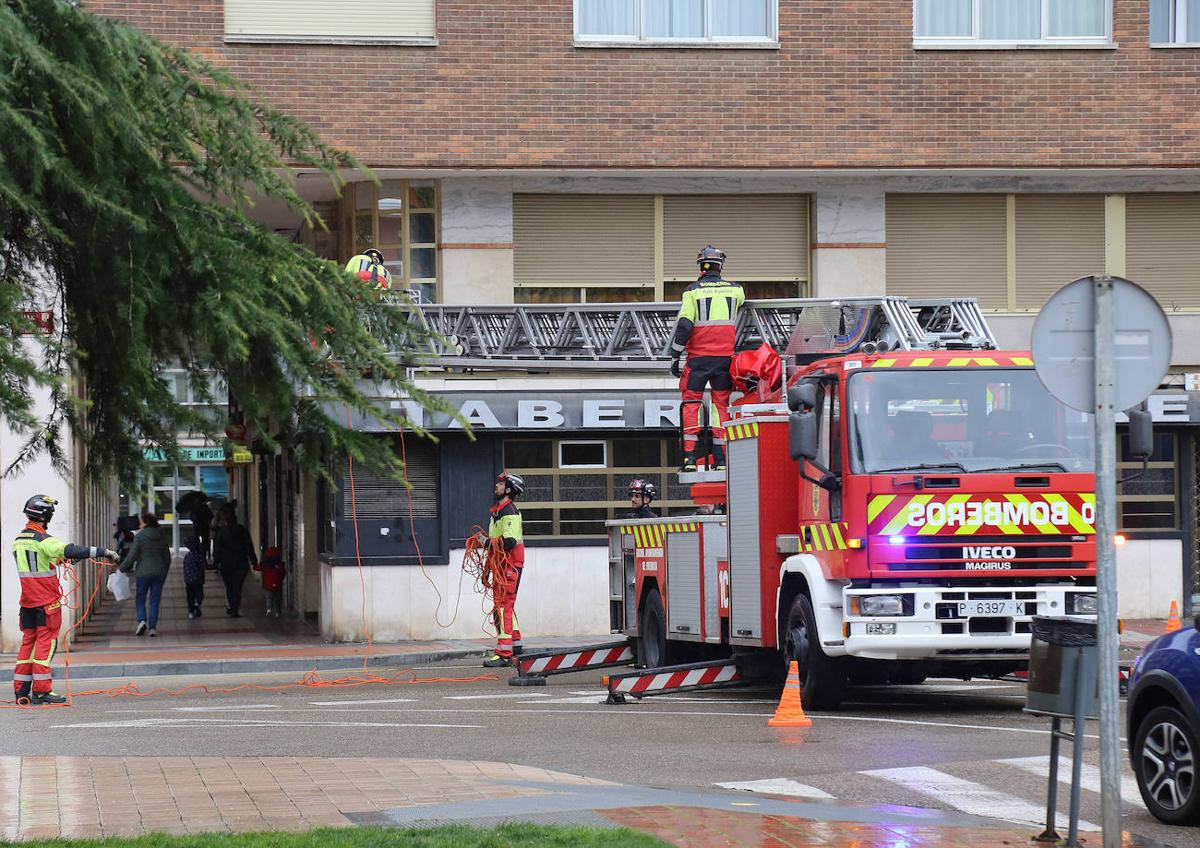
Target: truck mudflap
pixel 716 674
pixel 534 668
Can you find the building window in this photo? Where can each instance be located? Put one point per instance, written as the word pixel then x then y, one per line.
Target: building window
pixel 400 217
pixel 215 406
pixel 318 21
pixel 1011 22
pixel 1175 22
pixel 688 22
pixel 568 494
pixel 1149 503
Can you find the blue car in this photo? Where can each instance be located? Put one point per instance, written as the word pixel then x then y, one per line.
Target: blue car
pixel 1163 713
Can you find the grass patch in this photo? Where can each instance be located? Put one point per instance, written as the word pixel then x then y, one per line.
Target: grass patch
pixel 513 835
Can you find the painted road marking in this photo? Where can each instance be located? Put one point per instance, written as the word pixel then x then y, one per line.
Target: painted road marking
pixel 969 797
pixel 777 786
pixel 1089 776
pixel 347 703
pixel 495 697
pixel 225 708
pixel 250 723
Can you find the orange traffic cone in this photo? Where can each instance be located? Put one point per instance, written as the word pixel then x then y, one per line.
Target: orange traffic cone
pixel 790 712
pixel 1173 622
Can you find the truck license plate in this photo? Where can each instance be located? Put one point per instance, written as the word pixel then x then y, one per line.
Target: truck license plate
pixel 967 609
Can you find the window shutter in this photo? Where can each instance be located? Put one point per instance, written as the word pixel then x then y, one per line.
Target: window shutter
pixel 583 240
pixel 380 498
pixel 1162 246
pixel 320 20
pixel 1059 239
pixel 764 235
pixel 948 245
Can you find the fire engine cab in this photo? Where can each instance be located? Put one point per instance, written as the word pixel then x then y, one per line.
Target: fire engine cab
pixel 899 506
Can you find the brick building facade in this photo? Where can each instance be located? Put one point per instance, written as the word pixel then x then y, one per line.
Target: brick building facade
pixel 573 150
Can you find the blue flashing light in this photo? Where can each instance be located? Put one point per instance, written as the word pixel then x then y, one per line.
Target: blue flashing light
pixel 895 540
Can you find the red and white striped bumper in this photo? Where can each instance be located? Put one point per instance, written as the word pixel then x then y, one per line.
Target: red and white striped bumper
pixel 641 684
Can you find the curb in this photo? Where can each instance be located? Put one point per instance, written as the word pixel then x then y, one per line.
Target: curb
pixel 255 666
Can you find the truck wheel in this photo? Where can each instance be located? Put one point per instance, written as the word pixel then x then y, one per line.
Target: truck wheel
pixel 652 644
pixel 822 678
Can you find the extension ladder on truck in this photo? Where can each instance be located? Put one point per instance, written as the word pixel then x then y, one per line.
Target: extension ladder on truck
pixel 633 336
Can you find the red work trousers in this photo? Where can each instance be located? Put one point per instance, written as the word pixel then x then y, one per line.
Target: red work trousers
pixel 39 641
pixel 508 628
pixel 702 372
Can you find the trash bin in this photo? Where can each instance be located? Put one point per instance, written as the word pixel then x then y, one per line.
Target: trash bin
pixel 1062 656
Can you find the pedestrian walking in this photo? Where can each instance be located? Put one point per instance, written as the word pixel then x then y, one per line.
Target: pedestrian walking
pixel 273 572
pixel 233 551
pixel 149 559
pixel 202 519
pixel 38 554
pixel 194 563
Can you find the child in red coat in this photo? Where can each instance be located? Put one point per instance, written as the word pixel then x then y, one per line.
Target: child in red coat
pixel 273 571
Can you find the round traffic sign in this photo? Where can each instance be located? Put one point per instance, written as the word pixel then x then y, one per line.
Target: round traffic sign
pixel 1064 343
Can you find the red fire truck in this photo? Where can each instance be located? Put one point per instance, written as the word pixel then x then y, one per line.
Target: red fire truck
pixel 902 510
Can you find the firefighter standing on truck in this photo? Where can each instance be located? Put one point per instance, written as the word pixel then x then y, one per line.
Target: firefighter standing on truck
pixel 38 555
pixel 504 533
pixel 641 494
pixel 706 329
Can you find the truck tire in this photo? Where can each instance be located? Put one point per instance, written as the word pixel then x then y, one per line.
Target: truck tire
pixel 822 678
pixel 652 651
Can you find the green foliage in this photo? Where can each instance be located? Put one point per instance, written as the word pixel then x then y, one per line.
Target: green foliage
pixel 505 836
pixel 126 169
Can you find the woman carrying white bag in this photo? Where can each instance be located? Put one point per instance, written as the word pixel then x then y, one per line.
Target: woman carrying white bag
pixel 118 584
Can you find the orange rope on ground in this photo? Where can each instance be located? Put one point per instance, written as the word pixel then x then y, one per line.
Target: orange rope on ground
pixel 311 680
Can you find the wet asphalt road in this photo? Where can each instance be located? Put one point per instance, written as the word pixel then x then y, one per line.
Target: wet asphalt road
pixel 944 745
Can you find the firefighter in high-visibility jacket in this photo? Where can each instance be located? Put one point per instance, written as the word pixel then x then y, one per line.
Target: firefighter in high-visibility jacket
pixel 504 533
pixel 38 555
pixel 368 266
pixel 706 329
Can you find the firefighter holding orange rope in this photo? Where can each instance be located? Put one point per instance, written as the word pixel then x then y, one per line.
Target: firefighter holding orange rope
pixel 38 555
pixel 505 535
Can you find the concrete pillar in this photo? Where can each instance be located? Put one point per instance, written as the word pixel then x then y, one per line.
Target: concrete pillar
pixel 37 477
pixel 477 240
pixel 849 250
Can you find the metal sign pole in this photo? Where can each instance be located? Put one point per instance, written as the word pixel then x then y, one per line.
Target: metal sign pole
pixel 1106 562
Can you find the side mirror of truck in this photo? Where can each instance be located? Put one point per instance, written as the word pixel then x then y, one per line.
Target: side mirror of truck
pixel 803 395
pixel 803 435
pixel 1141 434
pixel 830 482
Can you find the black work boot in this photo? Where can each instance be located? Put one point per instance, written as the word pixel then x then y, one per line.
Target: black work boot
pixel 40 698
pixel 497 661
pixel 21 696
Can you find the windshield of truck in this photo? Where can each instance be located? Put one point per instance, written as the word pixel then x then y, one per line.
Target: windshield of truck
pixel 962 419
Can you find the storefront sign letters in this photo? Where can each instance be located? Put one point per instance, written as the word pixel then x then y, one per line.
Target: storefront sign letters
pixel 563 411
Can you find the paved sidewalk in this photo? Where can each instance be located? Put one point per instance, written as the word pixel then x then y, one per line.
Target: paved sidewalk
pixel 47 797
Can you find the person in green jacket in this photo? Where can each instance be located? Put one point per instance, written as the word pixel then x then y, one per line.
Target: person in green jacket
pixel 149 558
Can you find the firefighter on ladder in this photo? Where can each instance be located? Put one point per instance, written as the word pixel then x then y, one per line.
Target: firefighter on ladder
pixel 641 494
pixel 368 266
pixel 706 329
pixel 504 533
pixel 38 555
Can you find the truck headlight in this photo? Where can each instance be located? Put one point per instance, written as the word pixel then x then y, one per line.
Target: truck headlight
pixel 882 605
pixel 1079 603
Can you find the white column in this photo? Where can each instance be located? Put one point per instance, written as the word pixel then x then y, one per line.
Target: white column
pixel 38 477
pixel 477 240
pixel 849 250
